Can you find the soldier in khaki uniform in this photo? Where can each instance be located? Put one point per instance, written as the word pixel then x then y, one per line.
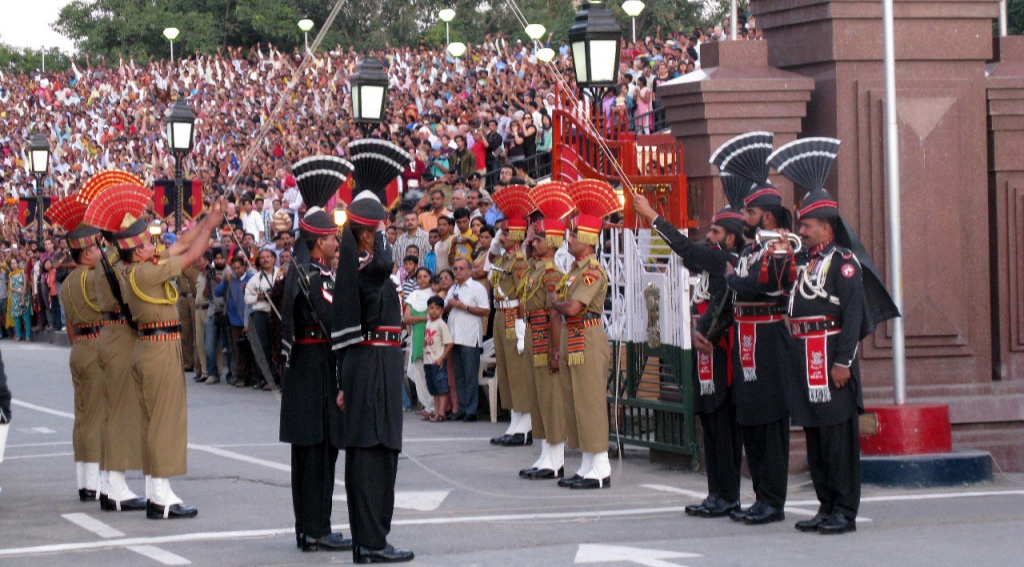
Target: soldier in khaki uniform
pixel 156 357
pixel 515 383
pixel 580 300
pixel 544 326
pixel 83 323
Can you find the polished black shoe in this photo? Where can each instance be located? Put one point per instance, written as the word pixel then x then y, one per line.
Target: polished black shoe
pixel 696 509
pixel 525 473
pixel 591 483
pixel 837 523
pixel 500 440
pixel 198 378
pixel 172 512
pixel 761 513
pixel 518 439
pixel 720 508
pixel 567 482
pixel 329 542
pixel 389 554
pixel 86 495
pixel 130 505
pixel 812 524
pixel 546 474
pixel 738 514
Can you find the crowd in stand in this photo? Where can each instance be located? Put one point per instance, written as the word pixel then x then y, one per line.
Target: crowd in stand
pixel 463 119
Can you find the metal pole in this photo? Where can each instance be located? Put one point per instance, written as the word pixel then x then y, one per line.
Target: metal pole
pixel 305 35
pixel 44 58
pixel 39 210
pixel 178 190
pixel 732 19
pixel 447 36
pixel 634 30
pixel 892 166
pixel 1003 29
pixel 172 51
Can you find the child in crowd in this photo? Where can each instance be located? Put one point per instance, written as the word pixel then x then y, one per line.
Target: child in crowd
pixel 437 345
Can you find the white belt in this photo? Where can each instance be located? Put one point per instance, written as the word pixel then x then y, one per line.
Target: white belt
pixel 507 304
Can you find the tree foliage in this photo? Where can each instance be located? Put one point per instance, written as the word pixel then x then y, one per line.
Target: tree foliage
pixel 134 27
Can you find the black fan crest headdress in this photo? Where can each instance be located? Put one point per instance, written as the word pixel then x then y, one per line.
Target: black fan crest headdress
pixel 736 189
pixel 746 155
pixel 376 163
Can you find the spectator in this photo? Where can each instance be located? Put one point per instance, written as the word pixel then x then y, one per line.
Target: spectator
pixel 409 266
pixel 20 307
pixel 437 346
pixel 232 289
pixel 467 305
pixel 430 258
pixel 413 236
pixel 465 240
pixel 444 244
pixel 429 218
pixel 415 320
pixel 216 332
pixel 257 300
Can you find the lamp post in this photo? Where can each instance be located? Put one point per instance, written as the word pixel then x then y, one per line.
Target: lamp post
pixel 632 8
pixel 447 15
pixel 457 49
pixel 180 126
pixel 306 24
pixel 369 86
pixel 536 32
pixel 594 39
pixel 171 34
pixel 39 162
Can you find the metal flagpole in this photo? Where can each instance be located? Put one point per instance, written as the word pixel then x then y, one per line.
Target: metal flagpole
pixel 893 193
pixel 732 20
pixel 1003 26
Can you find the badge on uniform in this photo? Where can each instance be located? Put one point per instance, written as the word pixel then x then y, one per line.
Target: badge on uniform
pixel 589 280
pixel 848 270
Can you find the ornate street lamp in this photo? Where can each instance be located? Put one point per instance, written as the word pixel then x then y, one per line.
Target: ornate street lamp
pixel 180 130
pixel 632 8
pixel 39 162
pixel 369 91
pixel 457 49
pixel 594 39
pixel 305 25
pixel 171 34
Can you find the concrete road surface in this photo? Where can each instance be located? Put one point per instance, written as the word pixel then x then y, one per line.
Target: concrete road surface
pixel 459 501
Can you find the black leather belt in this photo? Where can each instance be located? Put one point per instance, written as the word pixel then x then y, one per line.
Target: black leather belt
pixel 159 331
pixel 389 336
pixel 798 327
pixel 114 316
pixel 310 333
pixel 760 310
pixel 85 330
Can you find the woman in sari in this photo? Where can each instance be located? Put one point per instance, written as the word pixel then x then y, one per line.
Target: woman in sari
pixel 20 303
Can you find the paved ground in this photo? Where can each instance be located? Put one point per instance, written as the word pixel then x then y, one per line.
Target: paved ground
pixel 459 501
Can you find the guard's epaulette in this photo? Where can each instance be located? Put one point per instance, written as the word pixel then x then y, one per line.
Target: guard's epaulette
pixel 549 265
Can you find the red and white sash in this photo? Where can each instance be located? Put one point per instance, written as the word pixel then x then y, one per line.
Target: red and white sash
pixel 816 363
pixel 747 340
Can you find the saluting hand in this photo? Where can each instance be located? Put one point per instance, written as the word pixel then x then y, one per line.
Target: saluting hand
pixel 840 375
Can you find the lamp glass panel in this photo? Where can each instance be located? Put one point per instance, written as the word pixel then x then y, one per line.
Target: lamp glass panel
pixel 602 60
pixel 579 60
pixel 40 160
pixel 356 109
pixel 372 101
pixel 181 138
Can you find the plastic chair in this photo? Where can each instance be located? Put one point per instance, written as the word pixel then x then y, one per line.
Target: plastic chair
pixel 487 361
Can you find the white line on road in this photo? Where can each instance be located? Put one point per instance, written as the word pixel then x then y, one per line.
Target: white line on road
pixel 57 413
pixel 40 456
pixel 19 445
pixel 157 554
pixel 93 525
pixel 43 430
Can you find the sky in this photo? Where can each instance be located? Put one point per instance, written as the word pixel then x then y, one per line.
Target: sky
pixel 26 23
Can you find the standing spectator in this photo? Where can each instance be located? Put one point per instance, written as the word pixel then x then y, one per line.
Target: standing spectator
pixel 467 305
pixel 465 240
pixel 463 161
pixel 430 258
pixel 216 333
pixel 232 289
pixel 20 305
pixel 413 236
pixel 437 346
pixel 267 215
pixel 429 217
pixel 257 300
pixel 415 318
pixel 4 277
pixel 444 244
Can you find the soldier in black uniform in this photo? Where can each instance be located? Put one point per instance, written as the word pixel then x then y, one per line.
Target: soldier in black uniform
pixel 712 377
pixel 827 321
pixel 761 342
pixel 367 322
pixel 310 418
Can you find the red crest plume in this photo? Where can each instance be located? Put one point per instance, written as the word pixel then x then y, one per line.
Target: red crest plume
pixel 594 198
pixel 68 212
pixel 103 180
pixel 553 200
pixel 515 204
pixel 117 207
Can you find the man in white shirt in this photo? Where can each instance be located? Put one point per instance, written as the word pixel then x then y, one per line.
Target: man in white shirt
pixel 467 306
pixel 252 220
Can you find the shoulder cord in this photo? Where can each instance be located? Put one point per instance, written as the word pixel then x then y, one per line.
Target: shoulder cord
pixel 170 290
pixel 85 293
pixel 701 290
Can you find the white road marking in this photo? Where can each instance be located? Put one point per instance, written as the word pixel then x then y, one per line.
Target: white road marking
pixel 419 500
pixel 673 489
pixel 595 553
pixel 157 554
pixel 40 456
pixel 93 525
pixel 38 444
pixel 240 457
pixel 41 409
pixel 43 430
